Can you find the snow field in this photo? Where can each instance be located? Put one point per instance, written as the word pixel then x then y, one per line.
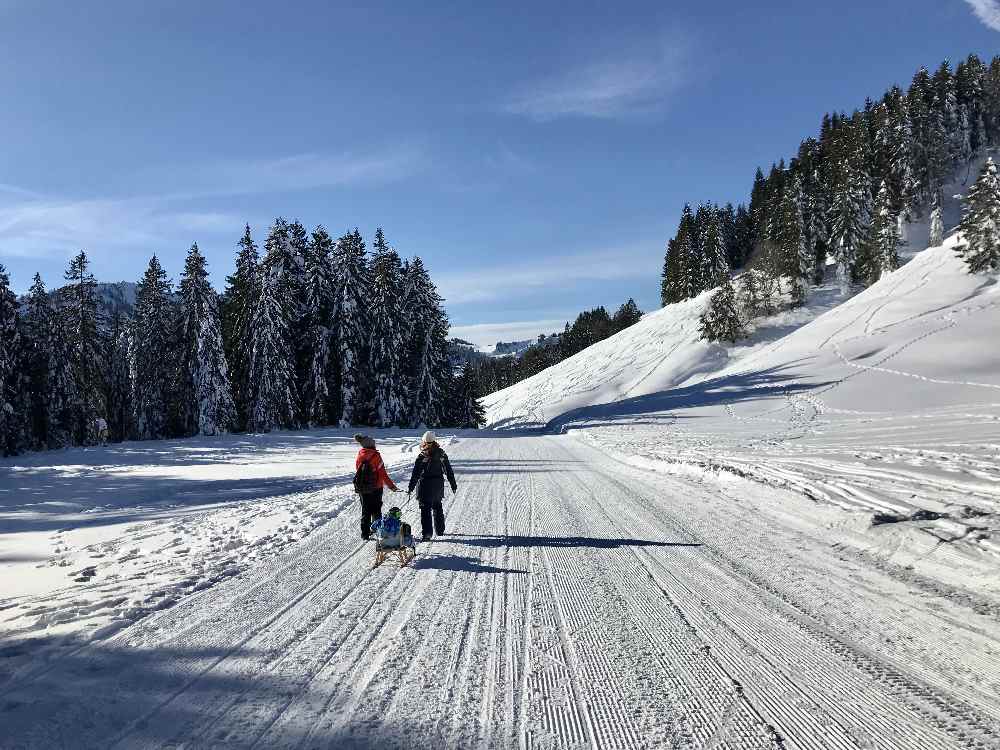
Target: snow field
pixel 90 546
pixel 577 602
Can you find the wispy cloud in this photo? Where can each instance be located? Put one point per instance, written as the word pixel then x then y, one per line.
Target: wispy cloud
pixel 988 11
pixel 32 224
pixel 486 335
pixel 51 228
pixel 291 173
pixel 550 273
pixel 637 83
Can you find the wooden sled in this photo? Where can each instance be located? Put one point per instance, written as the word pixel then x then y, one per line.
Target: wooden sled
pixel 403 555
pixel 395 547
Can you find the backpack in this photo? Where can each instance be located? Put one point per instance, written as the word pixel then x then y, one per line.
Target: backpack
pixel 365 479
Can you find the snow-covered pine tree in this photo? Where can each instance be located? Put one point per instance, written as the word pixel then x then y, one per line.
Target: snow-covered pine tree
pixel 918 101
pixel 715 264
pixel 79 325
pixel 749 296
pixel 386 342
pixel 758 210
pixel 743 238
pixel 727 218
pixel 12 391
pixel 946 103
pixel 299 323
pixel 429 367
pixel 688 261
pixel 238 305
pixel 37 333
pixel 969 90
pixel 980 225
pixel 625 316
pixel 119 391
pixel 721 320
pixel 154 351
pixel 848 221
pixel 669 274
pixel 351 328
pixel 206 401
pixel 273 385
pixel 936 236
pixel 467 411
pixel 795 260
pixel 882 247
pixel 321 394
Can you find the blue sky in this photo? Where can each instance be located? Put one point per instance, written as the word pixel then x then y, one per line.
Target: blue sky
pixel 535 155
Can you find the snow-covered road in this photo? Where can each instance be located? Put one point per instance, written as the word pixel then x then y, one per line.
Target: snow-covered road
pixel 576 602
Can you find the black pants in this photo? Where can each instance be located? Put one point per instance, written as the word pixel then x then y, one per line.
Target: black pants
pixel 371 511
pixel 429 509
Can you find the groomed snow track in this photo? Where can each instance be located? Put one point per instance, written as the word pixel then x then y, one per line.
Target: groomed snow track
pixel 578 603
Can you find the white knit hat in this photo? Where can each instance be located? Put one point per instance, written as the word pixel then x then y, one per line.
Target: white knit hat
pixel 429 437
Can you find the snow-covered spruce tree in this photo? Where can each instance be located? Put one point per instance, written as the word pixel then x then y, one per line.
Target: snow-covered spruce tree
pixel 350 328
pixel 689 265
pixel 980 225
pixel 715 264
pixel 721 320
pixel 299 324
pixel 882 255
pixel 321 392
pixel 848 223
pixel 37 333
pixel 119 391
pixel 12 392
pixel 386 342
pixel 238 305
pixel 154 352
pixel 79 325
pixel 465 409
pixel 625 316
pixel 206 401
pixel 429 369
pixel 272 383
pixel 795 259
pixel 936 234
pixel 918 100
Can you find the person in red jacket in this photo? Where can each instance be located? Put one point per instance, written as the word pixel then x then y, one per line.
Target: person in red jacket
pixel 371 501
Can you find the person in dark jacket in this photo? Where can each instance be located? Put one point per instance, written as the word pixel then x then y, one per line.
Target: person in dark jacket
pixel 371 502
pixel 429 472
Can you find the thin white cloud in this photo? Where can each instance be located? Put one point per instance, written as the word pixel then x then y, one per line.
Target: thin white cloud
pixel 638 83
pixel 52 228
pixel 34 225
pixel 550 273
pixel 297 172
pixel 988 11
pixel 486 335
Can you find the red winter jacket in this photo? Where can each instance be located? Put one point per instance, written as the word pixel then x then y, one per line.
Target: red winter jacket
pixel 371 455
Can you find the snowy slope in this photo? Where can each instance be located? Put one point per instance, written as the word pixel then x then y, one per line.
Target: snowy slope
pixel 886 406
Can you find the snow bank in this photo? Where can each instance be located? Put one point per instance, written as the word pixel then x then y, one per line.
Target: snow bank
pixel 886 405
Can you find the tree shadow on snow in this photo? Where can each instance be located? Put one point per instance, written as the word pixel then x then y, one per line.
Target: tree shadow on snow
pixel 776 382
pixel 105 693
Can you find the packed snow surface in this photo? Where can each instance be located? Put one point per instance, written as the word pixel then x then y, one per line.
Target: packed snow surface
pixel 577 601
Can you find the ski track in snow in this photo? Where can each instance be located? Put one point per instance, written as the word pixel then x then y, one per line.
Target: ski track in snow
pixel 577 601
